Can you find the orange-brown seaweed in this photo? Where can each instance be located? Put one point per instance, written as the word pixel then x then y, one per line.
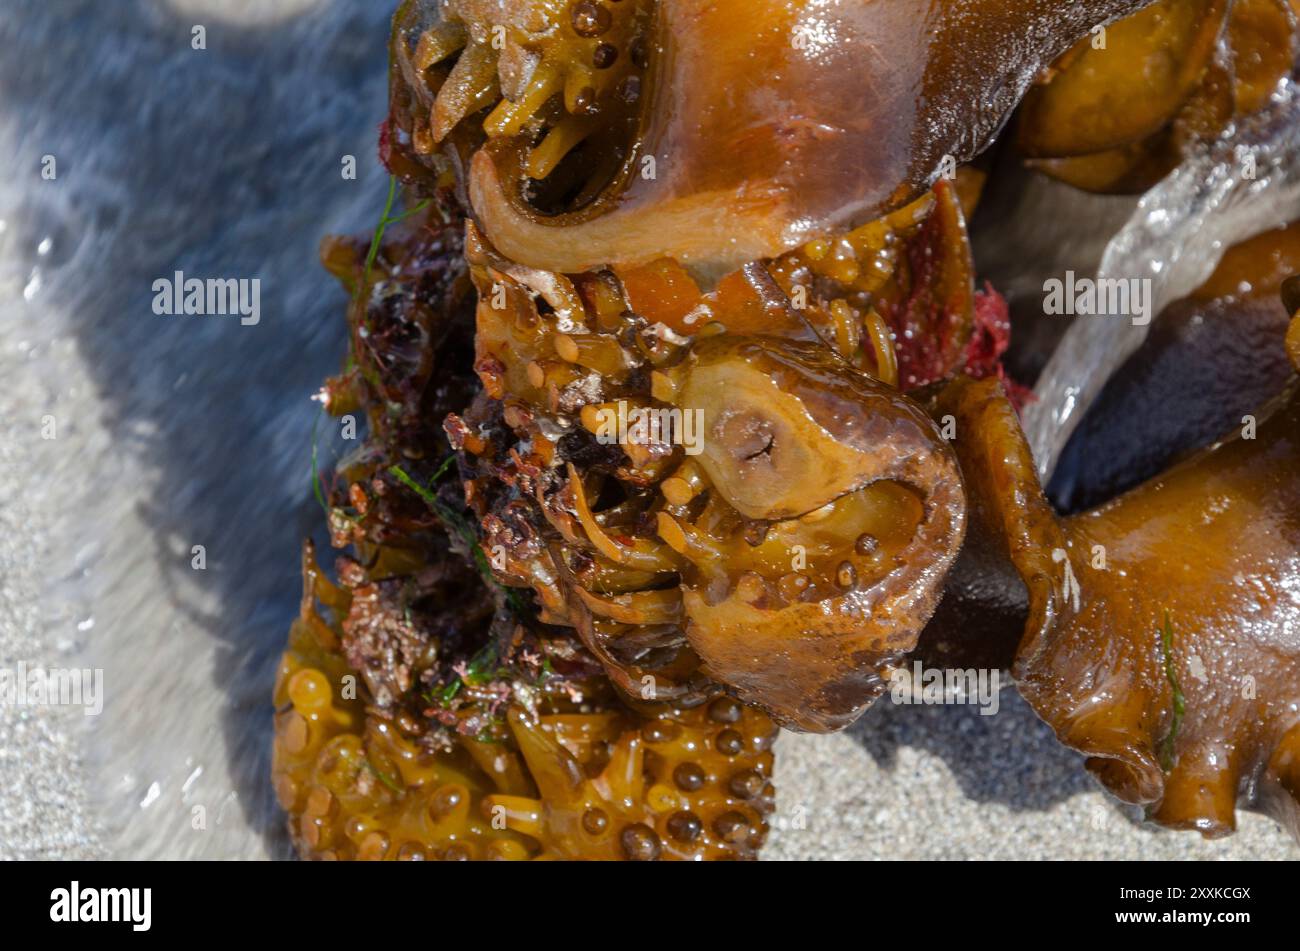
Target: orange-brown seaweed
pixel 696 425
pixel 829 116
pixel 1201 63
pixel 576 776
pixel 739 495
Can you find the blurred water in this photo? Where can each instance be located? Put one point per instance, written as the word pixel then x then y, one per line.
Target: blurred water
pixel 173 431
pixel 1242 184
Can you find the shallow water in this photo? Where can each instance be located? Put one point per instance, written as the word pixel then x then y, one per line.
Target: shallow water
pixel 173 432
